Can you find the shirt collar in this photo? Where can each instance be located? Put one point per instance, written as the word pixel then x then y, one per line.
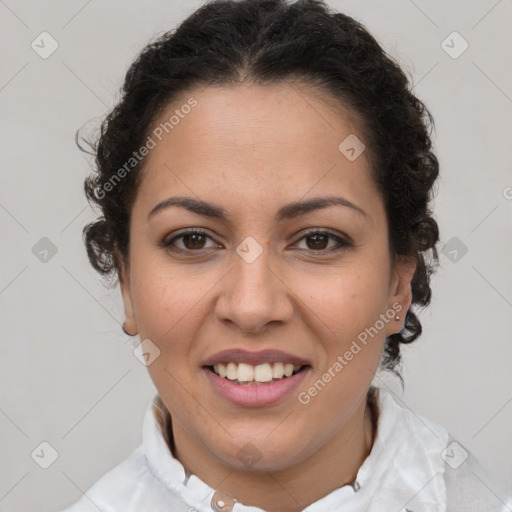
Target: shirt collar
pixel 405 459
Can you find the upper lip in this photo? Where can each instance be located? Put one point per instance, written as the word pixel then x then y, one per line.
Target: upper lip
pixel 254 358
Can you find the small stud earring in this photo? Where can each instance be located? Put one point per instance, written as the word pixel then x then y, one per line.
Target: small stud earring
pixel 397 317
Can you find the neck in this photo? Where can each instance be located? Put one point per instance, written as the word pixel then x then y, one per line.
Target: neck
pixel 294 488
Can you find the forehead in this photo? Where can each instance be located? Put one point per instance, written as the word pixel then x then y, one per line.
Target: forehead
pixel 247 144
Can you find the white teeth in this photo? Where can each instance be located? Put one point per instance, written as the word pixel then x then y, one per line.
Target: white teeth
pixel 221 368
pixel 262 373
pixel 231 371
pixel 278 371
pixel 265 372
pixel 245 372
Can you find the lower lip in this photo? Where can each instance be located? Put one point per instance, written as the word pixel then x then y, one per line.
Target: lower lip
pixel 256 395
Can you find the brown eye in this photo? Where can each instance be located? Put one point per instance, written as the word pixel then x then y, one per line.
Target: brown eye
pixel 193 240
pixel 318 241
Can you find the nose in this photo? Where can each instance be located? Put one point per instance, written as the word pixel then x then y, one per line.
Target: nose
pixel 254 294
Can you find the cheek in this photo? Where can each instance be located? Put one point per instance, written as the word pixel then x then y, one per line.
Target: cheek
pixel 346 299
pixel 165 303
pixel 168 313
pixel 343 311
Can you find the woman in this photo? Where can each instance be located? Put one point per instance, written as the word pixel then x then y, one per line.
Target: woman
pixel 265 183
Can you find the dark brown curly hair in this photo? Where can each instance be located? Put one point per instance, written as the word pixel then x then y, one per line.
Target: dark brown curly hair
pixel 267 41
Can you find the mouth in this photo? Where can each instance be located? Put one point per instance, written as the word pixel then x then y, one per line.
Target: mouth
pixel 256 375
pixel 255 379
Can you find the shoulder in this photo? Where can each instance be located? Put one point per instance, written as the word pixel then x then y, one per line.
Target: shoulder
pixel 454 475
pixel 469 486
pixel 114 487
pixel 128 487
pixel 147 479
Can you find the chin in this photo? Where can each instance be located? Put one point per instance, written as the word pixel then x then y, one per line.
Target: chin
pixel 260 455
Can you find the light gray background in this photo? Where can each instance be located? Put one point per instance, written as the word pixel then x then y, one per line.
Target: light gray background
pixel 68 375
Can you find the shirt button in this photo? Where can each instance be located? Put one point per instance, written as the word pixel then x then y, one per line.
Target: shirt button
pixel 222 503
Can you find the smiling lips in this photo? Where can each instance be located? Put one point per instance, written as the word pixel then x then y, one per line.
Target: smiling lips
pixel 255 378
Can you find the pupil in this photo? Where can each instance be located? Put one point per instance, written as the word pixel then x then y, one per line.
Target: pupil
pixel 316 237
pixel 195 237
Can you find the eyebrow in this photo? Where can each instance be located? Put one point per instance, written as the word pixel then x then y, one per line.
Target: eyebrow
pixel 289 211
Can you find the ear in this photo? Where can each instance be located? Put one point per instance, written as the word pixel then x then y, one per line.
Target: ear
pixel 129 326
pixel 400 294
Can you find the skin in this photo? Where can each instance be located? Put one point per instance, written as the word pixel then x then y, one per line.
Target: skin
pixel 252 149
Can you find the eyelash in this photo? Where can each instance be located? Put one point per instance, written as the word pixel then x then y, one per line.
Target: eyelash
pixel 343 243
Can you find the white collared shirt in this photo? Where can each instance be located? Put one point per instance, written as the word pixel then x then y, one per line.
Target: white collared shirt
pixel 414 466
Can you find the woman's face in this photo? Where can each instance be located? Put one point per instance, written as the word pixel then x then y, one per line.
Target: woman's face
pixel 264 276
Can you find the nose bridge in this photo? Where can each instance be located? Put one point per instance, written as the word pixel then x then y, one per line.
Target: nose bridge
pixel 252 268
pixel 253 295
